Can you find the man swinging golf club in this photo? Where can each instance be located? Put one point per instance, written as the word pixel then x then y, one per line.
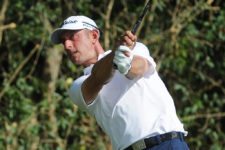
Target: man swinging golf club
pixel 130 102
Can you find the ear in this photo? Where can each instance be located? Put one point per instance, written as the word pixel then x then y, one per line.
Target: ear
pixel 95 35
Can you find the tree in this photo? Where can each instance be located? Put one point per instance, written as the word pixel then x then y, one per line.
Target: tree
pixel 186 38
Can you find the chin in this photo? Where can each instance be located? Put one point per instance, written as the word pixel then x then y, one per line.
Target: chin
pixel 76 62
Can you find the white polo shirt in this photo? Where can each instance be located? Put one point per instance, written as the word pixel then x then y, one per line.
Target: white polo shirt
pixel 130 110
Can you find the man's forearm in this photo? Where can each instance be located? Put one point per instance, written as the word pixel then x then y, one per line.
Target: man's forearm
pixel 101 74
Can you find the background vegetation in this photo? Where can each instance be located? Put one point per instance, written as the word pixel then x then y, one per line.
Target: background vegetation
pixel 186 38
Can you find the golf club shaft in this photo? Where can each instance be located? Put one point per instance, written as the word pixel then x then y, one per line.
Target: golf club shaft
pixel 138 22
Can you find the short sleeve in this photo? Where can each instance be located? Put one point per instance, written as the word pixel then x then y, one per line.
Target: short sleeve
pixel 75 93
pixel 142 50
pixel 76 96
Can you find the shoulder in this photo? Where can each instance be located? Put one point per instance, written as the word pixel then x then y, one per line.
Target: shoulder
pixel 141 49
pixel 75 91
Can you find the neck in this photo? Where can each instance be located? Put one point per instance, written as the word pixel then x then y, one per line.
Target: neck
pixel 99 49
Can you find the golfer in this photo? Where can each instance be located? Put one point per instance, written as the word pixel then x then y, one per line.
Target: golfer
pixel 130 102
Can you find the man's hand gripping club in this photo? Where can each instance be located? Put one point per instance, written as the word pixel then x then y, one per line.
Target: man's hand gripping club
pixel 124 55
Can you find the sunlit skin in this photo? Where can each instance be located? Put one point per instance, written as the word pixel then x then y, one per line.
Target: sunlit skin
pixel 83 48
pixel 80 46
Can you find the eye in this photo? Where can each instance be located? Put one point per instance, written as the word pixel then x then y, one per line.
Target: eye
pixel 68 35
pixel 62 39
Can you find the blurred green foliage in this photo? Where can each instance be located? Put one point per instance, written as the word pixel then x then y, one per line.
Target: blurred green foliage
pixel 186 38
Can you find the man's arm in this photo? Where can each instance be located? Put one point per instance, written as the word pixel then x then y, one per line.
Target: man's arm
pixel 101 74
pixel 103 70
pixel 139 66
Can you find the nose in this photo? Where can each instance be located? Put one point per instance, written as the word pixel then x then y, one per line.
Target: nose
pixel 68 45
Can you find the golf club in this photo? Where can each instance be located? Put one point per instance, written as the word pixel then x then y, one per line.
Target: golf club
pixel 140 18
pixel 138 22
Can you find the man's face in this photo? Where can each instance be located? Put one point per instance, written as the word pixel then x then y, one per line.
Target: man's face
pixel 79 46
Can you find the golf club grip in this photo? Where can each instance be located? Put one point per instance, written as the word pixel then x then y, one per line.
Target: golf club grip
pixel 136 25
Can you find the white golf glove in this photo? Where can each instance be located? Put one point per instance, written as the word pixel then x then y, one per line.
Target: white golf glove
pixel 122 61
